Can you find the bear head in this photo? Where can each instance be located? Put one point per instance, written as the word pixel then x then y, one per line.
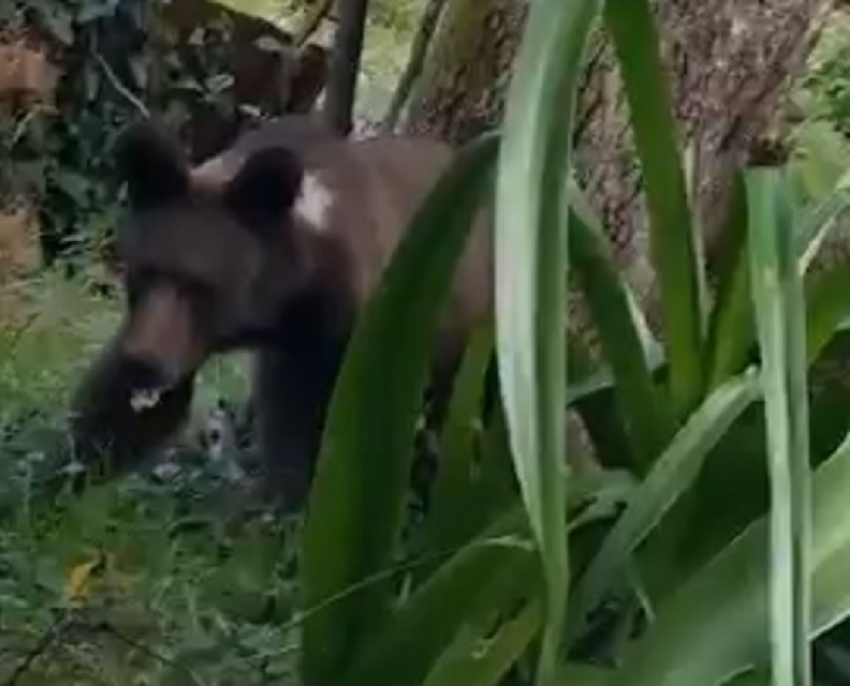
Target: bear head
pixel 203 270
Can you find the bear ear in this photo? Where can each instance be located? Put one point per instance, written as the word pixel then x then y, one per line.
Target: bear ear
pixel 265 188
pixel 151 164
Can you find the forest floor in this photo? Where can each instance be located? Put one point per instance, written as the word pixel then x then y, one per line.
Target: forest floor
pixel 139 582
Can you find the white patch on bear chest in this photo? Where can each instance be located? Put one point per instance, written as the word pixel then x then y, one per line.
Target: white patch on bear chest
pixel 315 202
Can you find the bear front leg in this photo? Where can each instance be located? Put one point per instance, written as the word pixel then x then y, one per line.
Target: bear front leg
pixel 291 395
pixel 111 433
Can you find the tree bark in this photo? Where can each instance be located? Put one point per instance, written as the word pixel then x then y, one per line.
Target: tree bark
pixel 461 88
pixel 729 62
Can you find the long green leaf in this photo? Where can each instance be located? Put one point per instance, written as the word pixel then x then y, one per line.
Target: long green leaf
pixel 827 308
pixel 731 331
pixel 451 520
pixel 474 580
pixel 821 220
pixel 479 661
pixel 531 278
pixel 356 504
pixel 780 318
pixel 608 299
pixel 671 235
pixel 672 475
pixel 716 625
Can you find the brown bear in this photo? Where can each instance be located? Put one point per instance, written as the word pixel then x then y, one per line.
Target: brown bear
pixel 272 246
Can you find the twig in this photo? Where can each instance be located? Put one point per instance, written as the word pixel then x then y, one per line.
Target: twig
pixel 47 638
pixel 120 87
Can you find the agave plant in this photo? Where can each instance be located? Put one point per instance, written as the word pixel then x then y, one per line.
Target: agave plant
pixel 507 569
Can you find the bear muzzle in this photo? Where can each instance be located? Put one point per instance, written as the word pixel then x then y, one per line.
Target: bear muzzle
pixel 160 346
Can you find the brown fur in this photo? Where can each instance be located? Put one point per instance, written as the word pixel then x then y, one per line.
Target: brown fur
pixel 216 259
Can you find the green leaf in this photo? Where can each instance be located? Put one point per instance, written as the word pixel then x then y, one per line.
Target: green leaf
pixel 352 524
pixel 819 159
pixel 475 660
pixel 731 330
pixel 716 624
pixel 780 318
pixel 828 308
pixel 608 299
pixel 531 278
pixel 478 578
pixel 674 255
pixel 475 479
pixel 673 473
pixel 821 219
pixel 450 521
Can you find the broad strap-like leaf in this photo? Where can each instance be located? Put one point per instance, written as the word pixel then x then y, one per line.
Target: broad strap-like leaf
pixel 827 308
pixel 716 624
pixel 491 569
pixel 357 499
pixel 674 255
pixel 731 331
pixel 779 305
pixel 607 296
pixel 531 279
pixel 673 473
pixel 482 656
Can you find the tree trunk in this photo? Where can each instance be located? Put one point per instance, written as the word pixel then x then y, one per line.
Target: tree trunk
pixel 345 65
pixel 729 62
pixel 460 90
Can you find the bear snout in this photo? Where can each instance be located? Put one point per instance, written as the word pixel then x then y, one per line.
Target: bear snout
pixel 161 344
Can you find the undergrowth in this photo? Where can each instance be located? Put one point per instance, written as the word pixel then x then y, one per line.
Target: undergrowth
pixel 183 596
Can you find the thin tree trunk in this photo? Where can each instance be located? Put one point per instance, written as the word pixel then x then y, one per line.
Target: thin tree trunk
pixel 467 69
pixel 345 65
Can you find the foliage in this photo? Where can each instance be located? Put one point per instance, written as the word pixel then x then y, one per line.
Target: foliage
pixel 118 60
pixel 523 569
pixel 645 548
pixel 828 81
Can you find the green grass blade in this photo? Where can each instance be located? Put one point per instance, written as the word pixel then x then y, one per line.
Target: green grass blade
pixel 671 235
pixel 473 581
pixel 531 278
pixel 780 321
pixel 716 624
pixel 356 503
pixel 671 476
pixel 608 300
